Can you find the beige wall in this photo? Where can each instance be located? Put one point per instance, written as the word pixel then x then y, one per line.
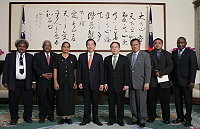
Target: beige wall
pixel 179 20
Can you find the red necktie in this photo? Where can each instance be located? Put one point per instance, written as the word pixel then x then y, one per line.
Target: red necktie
pixel 90 61
pixel 48 59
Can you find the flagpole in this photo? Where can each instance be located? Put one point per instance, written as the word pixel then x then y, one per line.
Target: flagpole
pixel 23 36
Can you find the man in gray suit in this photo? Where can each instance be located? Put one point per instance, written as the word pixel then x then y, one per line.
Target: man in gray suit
pixel 140 78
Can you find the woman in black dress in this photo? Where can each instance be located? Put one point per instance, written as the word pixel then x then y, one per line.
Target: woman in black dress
pixel 65 83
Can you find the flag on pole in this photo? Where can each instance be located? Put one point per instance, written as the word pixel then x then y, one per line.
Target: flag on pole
pixel 150 31
pixel 23 36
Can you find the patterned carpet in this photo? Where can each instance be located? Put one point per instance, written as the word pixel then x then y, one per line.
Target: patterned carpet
pixel 103 116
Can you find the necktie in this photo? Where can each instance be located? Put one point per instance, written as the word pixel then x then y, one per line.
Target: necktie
pixel 48 59
pixel 179 53
pixel 90 61
pixel 158 55
pixel 21 71
pixel 114 61
pixel 133 60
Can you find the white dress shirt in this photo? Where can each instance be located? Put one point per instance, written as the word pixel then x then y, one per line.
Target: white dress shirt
pixel 117 56
pixel 89 55
pixel 18 66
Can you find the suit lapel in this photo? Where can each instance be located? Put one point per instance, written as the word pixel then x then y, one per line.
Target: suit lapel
pixel 27 60
pixel 182 55
pixel 93 60
pixel 86 59
pixel 118 61
pixel 161 59
pixel 44 58
pixel 110 62
pixel 14 62
pixel 137 59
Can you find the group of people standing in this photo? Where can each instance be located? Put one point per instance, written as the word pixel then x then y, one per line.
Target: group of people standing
pixel 59 74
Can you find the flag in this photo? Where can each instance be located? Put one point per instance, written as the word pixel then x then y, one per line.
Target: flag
pixel 23 36
pixel 150 31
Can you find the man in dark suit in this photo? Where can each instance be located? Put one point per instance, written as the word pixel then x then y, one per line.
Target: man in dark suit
pixel 90 78
pixel 162 65
pixel 184 73
pixel 117 81
pixel 18 78
pixel 42 66
pixel 140 78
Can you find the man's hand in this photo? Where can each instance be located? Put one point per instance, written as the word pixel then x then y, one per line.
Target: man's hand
pixel 5 85
pixel 125 88
pixel 191 86
pixel 101 87
pixel 158 74
pixel 47 75
pixel 56 86
pixel 80 86
pixel 33 85
pixel 146 87
pixel 105 87
pixel 75 86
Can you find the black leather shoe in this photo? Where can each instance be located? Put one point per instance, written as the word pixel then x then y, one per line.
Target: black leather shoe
pixel 110 123
pixel 166 121
pixel 120 123
pixel 29 120
pixel 62 121
pixel 68 121
pixel 41 120
pixel 133 123
pixel 187 123
pixel 98 123
pixel 13 122
pixel 142 125
pixel 82 123
pixel 150 120
pixel 52 119
pixel 177 121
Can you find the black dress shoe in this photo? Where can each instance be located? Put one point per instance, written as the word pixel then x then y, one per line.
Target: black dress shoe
pixel 187 124
pixel 177 121
pixel 68 121
pixel 52 119
pixel 142 125
pixel 28 120
pixel 62 121
pixel 150 120
pixel 41 120
pixel 133 123
pixel 120 123
pixel 166 121
pixel 83 123
pixel 98 123
pixel 110 123
pixel 13 122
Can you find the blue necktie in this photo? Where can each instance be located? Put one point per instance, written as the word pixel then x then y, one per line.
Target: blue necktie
pixel 158 55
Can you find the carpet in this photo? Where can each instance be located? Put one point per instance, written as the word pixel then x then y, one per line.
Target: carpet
pixel 103 116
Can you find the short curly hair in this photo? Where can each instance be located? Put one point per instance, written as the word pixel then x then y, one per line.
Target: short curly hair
pixel 21 41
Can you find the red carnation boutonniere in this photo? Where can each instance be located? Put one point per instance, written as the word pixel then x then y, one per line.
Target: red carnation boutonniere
pixel 1 52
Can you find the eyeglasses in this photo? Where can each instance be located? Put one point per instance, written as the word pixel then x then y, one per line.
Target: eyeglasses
pixel 181 42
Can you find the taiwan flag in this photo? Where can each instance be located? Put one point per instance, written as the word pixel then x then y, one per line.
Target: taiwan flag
pixel 150 48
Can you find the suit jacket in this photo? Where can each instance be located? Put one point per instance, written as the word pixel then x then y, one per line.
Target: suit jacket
pixel 9 71
pixel 141 71
pixel 93 77
pixel 184 68
pixel 120 76
pixel 164 65
pixel 41 66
